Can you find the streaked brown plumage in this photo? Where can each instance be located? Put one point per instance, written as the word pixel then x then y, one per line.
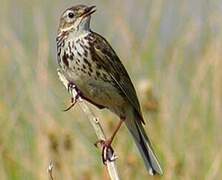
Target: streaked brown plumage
pixel 87 60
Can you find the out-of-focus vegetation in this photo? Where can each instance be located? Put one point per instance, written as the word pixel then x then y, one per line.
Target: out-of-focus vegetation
pixel 173 52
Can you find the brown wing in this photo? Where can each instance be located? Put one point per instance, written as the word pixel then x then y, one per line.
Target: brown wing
pixel 103 52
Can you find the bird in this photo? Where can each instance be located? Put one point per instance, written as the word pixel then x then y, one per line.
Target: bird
pixel 88 62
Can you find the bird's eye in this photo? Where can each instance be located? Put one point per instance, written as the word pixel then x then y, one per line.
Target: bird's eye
pixel 70 15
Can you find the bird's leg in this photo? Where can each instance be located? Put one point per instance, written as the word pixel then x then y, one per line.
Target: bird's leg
pixel 106 144
pixel 110 140
pixel 72 86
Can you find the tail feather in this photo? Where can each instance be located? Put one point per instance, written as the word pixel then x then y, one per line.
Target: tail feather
pixel 143 143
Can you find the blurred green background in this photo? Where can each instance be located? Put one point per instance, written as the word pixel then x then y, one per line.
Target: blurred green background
pixel 172 50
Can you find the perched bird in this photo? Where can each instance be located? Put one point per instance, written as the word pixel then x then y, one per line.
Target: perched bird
pixel 88 61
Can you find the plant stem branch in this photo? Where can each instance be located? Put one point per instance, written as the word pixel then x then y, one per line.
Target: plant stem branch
pixel 50 167
pixel 110 162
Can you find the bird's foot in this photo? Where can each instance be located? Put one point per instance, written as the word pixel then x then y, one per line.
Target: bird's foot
pixel 107 150
pixel 72 86
pixel 73 102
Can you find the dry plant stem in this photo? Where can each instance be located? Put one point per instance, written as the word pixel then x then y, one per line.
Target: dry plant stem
pixel 111 166
pixel 50 167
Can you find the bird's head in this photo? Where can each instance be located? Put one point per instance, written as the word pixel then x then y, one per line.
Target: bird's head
pixel 76 18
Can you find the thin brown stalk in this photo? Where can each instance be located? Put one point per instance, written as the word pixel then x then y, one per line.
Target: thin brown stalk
pixel 50 168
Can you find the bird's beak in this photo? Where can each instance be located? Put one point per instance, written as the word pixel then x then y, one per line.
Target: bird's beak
pixel 88 11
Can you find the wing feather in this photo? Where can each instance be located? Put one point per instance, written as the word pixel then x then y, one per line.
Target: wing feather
pixel 107 56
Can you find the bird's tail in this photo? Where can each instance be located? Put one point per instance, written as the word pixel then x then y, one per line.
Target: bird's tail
pixel 142 141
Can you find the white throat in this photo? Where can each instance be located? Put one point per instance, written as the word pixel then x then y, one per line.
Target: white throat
pixel 79 27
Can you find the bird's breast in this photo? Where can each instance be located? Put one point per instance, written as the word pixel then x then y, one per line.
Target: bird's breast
pixel 91 79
